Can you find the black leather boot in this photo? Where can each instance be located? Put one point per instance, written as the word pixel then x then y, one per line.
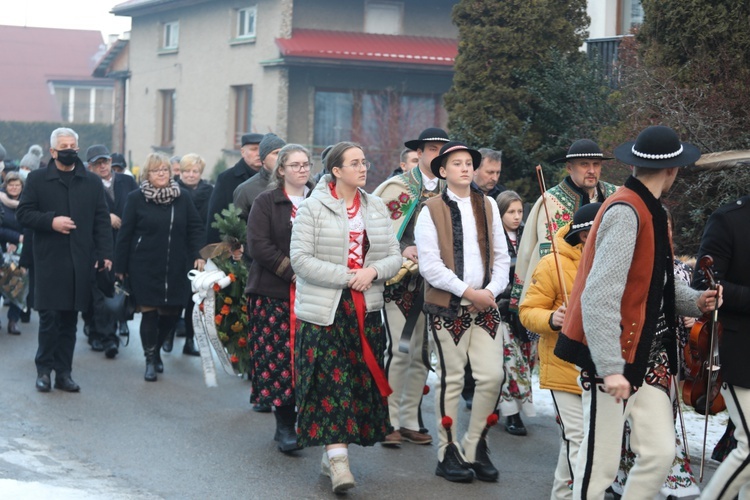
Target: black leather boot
pixel 453 467
pixel 482 465
pixel 514 425
pixel 190 348
pixel 149 339
pixel 286 419
pixel 166 332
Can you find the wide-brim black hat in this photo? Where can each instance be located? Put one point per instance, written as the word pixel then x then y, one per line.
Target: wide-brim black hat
pixel 657 147
pixel 452 147
pixel 583 220
pixel 583 148
pixel 432 134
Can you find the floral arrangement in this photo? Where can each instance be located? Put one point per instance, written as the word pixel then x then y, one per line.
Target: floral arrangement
pixel 231 309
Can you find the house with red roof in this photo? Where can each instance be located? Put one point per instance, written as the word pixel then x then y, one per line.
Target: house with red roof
pixel 47 76
pixel 315 72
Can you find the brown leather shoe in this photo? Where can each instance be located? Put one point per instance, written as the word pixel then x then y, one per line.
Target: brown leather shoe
pixel 415 437
pixel 393 440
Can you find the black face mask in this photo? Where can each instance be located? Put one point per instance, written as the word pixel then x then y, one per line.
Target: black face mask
pixel 67 157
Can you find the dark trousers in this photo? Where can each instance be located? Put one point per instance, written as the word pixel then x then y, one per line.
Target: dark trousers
pixel 57 340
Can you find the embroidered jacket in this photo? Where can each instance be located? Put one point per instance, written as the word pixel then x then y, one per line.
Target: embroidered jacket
pixel 562 202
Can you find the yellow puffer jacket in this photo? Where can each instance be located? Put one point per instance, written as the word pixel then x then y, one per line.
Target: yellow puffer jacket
pixel 542 299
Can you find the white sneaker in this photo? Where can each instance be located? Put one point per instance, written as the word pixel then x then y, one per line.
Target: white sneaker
pixel 337 469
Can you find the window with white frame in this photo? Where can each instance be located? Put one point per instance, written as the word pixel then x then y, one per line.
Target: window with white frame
pixel 385 18
pixel 246 22
pixel 171 35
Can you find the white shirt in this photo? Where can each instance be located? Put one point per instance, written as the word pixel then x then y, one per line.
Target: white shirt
pixel 432 267
pixel 430 184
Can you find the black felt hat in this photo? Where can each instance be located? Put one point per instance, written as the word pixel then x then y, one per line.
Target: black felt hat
pixel 452 147
pixel 432 134
pixel 583 220
pixel 657 147
pixel 583 148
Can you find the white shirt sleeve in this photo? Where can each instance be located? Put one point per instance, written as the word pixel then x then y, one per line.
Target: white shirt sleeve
pixel 431 265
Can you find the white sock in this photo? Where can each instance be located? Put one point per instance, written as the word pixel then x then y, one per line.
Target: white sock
pixel 337 452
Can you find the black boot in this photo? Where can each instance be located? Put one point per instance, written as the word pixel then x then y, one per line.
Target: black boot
pixel 189 348
pixel 149 339
pixel 514 425
pixel 286 435
pixel 482 465
pixel 453 467
pixel 166 332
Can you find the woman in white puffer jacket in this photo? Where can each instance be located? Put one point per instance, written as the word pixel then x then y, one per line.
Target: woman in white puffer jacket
pixel 343 249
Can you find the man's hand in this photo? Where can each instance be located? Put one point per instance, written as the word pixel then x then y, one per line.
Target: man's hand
pixel 115 221
pixel 558 317
pixel 362 278
pixel 199 264
pixel 707 301
pixel 63 224
pixel 107 264
pixel 481 300
pixel 410 253
pixel 617 386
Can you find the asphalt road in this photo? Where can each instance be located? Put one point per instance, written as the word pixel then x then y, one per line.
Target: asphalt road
pixel 122 437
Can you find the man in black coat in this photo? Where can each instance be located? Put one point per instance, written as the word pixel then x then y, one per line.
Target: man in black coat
pixel 726 239
pixel 65 206
pixel 228 181
pixel 102 325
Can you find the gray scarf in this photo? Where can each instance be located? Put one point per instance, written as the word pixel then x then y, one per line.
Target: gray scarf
pixel 160 196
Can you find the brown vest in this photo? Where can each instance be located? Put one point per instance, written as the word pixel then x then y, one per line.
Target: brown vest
pixel 638 298
pixel 446 216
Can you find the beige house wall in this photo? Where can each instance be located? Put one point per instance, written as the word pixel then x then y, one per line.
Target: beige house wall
pixel 202 72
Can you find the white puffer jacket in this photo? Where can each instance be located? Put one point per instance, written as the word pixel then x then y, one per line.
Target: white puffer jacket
pixel 320 248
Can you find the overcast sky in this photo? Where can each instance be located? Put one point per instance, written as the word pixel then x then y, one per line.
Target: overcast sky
pixel 70 14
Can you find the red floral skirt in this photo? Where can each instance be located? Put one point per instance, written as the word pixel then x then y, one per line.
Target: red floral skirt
pixel 270 355
pixel 337 398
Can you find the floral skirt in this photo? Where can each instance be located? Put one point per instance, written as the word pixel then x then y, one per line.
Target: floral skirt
pixel 270 356
pixel 337 398
pixel 518 363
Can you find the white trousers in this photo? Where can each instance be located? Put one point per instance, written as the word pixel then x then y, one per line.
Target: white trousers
pixel 477 346
pixel 406 372
pixel 652 439
pixel 732 478
pixel 569 409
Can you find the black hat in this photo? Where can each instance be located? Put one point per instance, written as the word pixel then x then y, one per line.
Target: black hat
pixel 452 147
pixel 583 219
pixel 252 138
pixel 118 160
pixel 583 148
pixel 432 134
pixel 96 152
pixel 657 147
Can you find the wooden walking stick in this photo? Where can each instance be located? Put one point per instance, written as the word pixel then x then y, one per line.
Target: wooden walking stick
pixel 543 188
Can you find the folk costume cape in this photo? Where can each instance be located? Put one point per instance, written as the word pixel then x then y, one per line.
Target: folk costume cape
pixel 562 202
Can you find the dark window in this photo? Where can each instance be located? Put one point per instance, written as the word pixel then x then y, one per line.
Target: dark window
pixel 243 112
pixel 167 118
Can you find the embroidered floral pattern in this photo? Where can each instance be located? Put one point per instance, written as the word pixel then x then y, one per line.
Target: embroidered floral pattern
pixel 515 394
pixel 400 206
pixel 403 293
pixel 489 321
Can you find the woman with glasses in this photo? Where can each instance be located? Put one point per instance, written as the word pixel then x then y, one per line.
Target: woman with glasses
pixel 157 245
pixel 270 286
pixel 343 249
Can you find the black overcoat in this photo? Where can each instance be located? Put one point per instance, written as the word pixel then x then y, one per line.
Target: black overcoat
pixel 223 195
pixel 726 238
pixel 156 246
pixel 62 262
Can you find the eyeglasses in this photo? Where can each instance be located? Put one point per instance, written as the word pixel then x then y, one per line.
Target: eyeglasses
pixel 163 170
pixel 364 164
pixel 101 161
pixel 299 167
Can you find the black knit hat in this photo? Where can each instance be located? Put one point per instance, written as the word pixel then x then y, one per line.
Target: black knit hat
pixel 583 220
pixel 657 147
pixel 432 134
pixel 452 147
pixel 583 148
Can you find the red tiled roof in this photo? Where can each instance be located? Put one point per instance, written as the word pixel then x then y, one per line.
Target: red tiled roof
pixel 338 45
pixel 31 57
